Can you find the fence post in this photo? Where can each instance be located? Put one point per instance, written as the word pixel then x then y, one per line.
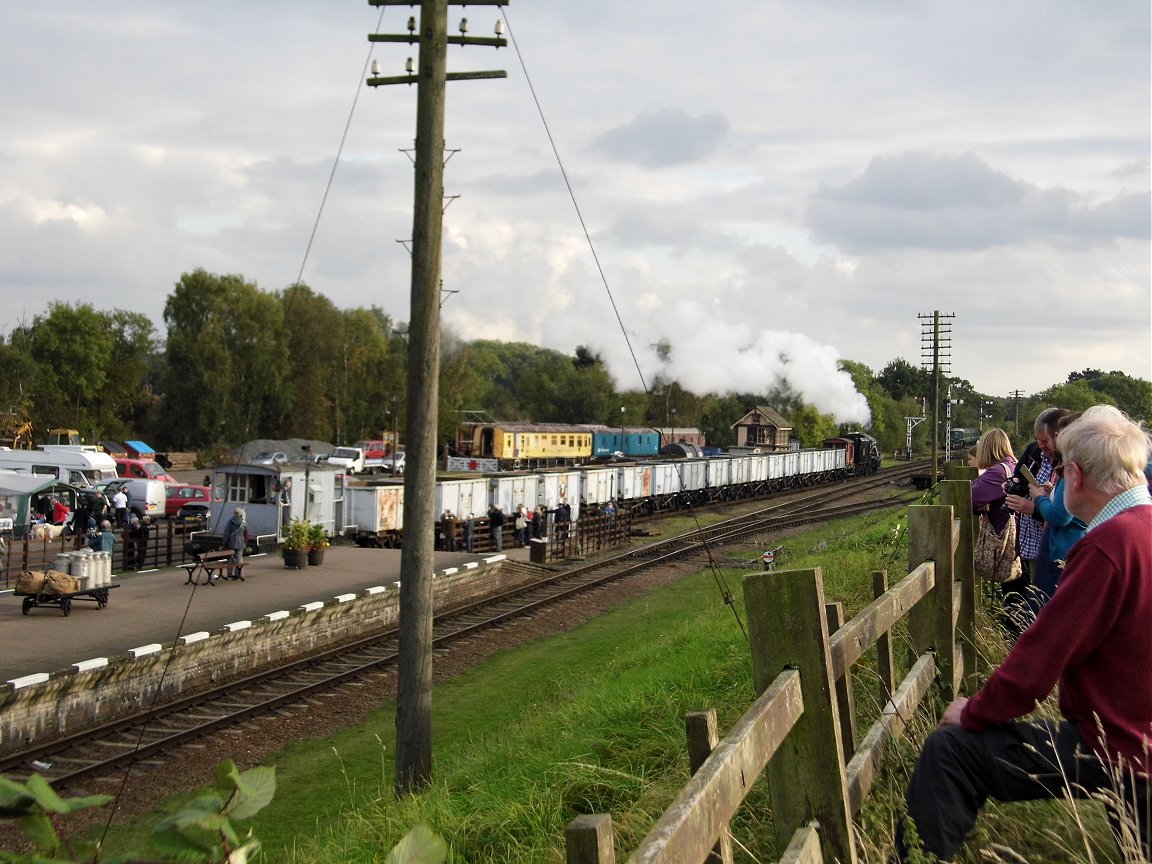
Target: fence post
pixel 930 621
pixel 958 494
pixel 847 704
pixel 885 664
pixel 700 727
pixel 787 629
pixel 588 840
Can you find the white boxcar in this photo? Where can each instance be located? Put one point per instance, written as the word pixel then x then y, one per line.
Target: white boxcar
pixel 719 472
pixel 759 467
pixel 665 478
pixel 693 474
pixel 469 495
pixel 375 510
pixel 557 486
pixel 634 482
pixel 511 490
pixel 786 466
pixel 598 485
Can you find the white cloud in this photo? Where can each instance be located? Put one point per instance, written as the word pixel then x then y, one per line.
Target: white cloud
pixel 801 175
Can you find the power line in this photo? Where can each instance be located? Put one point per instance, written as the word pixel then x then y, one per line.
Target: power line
pixel 339 152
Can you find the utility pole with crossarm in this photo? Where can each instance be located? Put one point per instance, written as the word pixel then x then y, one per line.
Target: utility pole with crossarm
pixel 429 73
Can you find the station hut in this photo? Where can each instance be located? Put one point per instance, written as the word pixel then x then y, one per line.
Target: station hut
pixel 763 428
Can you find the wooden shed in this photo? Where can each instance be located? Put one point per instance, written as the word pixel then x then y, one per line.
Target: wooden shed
pixel 764 428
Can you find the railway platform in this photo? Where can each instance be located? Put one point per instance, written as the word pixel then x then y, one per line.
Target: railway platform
pixel 157 607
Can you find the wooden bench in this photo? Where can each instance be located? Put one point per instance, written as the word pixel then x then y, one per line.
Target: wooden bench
pixel 213 565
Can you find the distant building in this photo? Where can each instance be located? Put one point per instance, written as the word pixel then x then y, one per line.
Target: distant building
pixel 762 428
pixel 681 435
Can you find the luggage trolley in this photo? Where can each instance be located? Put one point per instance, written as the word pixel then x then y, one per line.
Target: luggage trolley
pixel 64 601
pixel 43 596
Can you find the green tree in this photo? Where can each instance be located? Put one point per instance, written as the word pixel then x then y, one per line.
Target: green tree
pixel 225 363
pixel 369 377
pixel 903 380
pixel 314 337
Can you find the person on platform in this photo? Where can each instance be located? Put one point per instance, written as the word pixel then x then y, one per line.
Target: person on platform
pixel 236 538
pixel 469 530
pixel 496 524
pixel 1091 639
pixel 448 527
pixel 104 540
pixel 120 507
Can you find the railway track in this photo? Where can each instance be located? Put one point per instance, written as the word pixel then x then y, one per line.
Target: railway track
pixel 69 763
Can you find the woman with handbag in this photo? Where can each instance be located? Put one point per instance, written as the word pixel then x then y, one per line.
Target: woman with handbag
pixel 994 555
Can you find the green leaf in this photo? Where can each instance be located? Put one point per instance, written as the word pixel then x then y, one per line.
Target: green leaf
pixel 419 846
pixel 41 830
pixel 15 799
pixel 45 795
pixel 177 843
pixel 255 790
pixel 194 817
pixel 227 777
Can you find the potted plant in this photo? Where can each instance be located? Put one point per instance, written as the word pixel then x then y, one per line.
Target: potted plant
pixel 318 542
pixel 297 544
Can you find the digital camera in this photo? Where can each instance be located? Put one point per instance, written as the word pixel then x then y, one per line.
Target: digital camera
pixel 1016 486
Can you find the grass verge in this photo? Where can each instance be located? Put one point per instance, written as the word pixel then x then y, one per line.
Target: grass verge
pixel 590 721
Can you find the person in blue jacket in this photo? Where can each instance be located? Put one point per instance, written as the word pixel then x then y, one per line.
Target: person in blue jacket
pixel 1061 528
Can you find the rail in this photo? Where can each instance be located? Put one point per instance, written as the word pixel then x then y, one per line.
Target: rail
pixel 801 733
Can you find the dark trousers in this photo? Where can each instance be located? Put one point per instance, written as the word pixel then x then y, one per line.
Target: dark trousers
pixel 959 770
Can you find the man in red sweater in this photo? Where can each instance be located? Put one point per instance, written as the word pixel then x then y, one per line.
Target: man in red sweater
pixel 1093 639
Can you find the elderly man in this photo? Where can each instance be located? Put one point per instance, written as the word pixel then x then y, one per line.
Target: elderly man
pixel 1094 639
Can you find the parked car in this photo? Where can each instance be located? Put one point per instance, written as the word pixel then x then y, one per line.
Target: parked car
pixel 386 465
pixel 186 496
pixel 268 457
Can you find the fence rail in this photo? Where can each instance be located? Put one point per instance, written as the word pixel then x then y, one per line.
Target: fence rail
pixel 163 548
pixel 800 734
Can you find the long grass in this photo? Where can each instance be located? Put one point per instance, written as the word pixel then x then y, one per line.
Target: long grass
pixel 591 721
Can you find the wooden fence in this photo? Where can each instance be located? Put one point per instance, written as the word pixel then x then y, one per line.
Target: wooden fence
pixel 801 734
pixel 163 548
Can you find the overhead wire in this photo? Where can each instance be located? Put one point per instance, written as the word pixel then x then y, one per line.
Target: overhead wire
pixel 717 572
pixel 340 148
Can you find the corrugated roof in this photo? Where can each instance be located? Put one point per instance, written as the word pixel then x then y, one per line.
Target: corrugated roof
pixel 140 447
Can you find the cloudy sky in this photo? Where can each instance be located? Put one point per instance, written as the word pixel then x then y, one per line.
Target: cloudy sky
pixel 769 185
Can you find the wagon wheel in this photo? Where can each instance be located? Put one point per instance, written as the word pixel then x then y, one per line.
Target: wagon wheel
pixel 66 606
pixel 27 604
pixel 101 599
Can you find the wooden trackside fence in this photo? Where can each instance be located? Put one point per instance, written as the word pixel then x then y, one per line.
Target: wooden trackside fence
pixel 801 733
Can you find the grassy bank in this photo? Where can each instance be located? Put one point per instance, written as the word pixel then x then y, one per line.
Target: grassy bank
pixel 587 721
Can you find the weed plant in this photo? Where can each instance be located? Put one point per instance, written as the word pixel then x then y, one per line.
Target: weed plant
pixel 591 721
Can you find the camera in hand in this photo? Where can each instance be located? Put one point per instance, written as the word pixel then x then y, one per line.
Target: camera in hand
pixel 1016 486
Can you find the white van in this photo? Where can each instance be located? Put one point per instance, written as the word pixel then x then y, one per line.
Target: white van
pixel 145 497
pixel 79 465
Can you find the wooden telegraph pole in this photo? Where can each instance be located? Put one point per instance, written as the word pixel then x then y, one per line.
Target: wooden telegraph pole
pixel 429 74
